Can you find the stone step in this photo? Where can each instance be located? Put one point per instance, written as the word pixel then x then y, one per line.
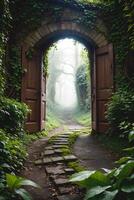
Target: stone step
pixel 70 158
pixel 57 159
pixel 59 151
pixel 58 146
pixel 60 143
pixel 61 181
pixel 47 160
pixel 69 171
pixel 49 152
pixel 61 140
pixel 49 148
pixel 38 162
pixel 55 170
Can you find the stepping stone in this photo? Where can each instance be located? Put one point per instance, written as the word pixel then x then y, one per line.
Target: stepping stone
pixel 65 190
pixel 47 160
pixel 61 140
pixel 57 159
pixel 58 146
pixel 49 148
pixel 70 158
pixel 69 170
pixel 69 197
pixel 61 143
pixel 58 151
pixel 65 134
pixel 61 181
pixel 38 162
pixel 55 170
pixel 49 152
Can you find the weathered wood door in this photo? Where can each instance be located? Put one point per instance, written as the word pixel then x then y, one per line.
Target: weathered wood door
pixel 43 98
pixel 102 86
pixel 33 88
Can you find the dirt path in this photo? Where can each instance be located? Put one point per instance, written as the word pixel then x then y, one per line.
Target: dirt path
pixel 37 173
pixel 92 155
pixel 89 153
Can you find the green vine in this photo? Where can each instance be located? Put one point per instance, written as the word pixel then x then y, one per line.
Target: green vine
pixel 27 16
pixel 30 52
pixel 45 63
pixel 14 73
pixel 5 25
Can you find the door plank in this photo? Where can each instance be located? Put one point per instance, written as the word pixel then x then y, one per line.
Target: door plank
pixel 102 86
pixel 30 93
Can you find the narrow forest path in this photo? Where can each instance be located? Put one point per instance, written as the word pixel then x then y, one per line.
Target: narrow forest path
pixel 49 168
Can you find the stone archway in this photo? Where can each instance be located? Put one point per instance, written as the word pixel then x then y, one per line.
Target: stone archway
pixel 33 91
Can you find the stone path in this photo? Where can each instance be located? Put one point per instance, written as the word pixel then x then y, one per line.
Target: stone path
pixel 47 166
pixel 57 169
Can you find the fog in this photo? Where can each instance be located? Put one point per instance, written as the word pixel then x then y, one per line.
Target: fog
pixel 64 59
pixel 68 79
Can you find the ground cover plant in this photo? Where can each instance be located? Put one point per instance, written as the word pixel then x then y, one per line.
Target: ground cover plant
pixel 104 184
pixel 13 148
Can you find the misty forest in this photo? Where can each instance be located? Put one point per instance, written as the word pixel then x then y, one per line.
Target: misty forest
pixel 68 82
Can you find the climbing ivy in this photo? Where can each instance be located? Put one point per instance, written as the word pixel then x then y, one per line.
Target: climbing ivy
pixel 5 25
pixel 14 72
pixel 116 26
pixel 27 16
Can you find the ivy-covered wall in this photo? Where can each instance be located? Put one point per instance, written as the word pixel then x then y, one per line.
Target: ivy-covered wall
pixel 5 25
pixel 27 17
pixel 19 18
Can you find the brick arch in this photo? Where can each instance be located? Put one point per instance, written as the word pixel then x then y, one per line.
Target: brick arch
pixel 33 81
pixel 98 39
pixel 67 23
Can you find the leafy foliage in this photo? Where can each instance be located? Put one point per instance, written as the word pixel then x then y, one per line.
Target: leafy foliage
pixel 128 11
pixel 14 188
pixel 117 183
pixel 13 73
pixel 120 110
pixel 5 25
pixel 12 154
pixel 12 115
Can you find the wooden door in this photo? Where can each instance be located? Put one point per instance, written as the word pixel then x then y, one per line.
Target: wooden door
pixel 43 98
pixel 102 86
pixel 31 89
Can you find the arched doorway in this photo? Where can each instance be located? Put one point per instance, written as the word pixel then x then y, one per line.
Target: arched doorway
pixel 33 80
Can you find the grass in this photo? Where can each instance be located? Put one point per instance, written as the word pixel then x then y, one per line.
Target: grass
pixel 76 166
pixel 66 151
pixel 52 122
pixel 83 118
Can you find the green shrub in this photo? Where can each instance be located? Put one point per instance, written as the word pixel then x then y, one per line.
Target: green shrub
pixel 12 154
pixel 120 113
pixel 12 115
